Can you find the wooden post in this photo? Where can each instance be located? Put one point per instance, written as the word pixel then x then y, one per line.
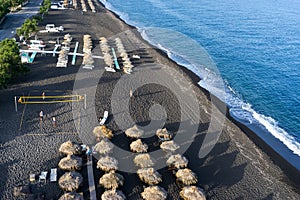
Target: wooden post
pixel 84 101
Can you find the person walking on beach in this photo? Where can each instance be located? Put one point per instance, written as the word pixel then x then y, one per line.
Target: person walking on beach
pixel 54 122
pixel 88 152
pixel 41 115
pixel 130 93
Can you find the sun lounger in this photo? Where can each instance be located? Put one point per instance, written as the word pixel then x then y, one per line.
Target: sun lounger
pixel 136 56
pixel 110 69
pixel 43 177
pixel 104 118
pixel 53 175
pixel 32 177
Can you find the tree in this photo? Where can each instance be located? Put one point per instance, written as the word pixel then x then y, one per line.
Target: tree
pixel 28 28
pixel 45 7
pixel 4 5
pixel 10 61
pixel 14 3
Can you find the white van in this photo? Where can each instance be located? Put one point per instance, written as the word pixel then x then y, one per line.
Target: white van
pixel 52 28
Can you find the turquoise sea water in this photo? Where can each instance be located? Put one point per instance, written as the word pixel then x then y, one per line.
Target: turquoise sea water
pixel 255 46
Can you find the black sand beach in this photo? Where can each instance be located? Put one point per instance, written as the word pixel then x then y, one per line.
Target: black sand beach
pixel 236 168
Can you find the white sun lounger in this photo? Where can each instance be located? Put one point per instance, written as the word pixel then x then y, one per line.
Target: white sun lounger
pixel 104 118
pixel 53 175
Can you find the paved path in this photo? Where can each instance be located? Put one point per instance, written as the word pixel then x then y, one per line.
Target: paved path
pixel 92 187
pixel 16 19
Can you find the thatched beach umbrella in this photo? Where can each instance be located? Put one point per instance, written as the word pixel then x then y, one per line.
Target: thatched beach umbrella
pixel 71 196
pixel 154 193
pixel 178 161
pixel 122 51
pixel 111 180
pixel 105 49
pixel 107 163
pixel 70 148
pixel 124 55
pixel 104 147
pixel 107 57
pixel 186 176
pixel 70 162
pixel 119 45
pixel 163 134
pixel 103 39
pixel 109 62
pixel 134 132
pixel 143 160
pixel 102 132
pixel 118 39
pixel 192 193
pixel 113 195
pixel 70 181
pixel 126 63
pixel 138 146
pixel 126 59
pixel 169 146
pixel 149 176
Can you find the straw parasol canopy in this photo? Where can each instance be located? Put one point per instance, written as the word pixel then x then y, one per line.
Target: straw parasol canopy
pixel 107 56
pixel 70 162
pixel 192 193
pixel 163 134
pixel 103 39
pixel 143 160
pixel 70 181
pixel 102 132
pixel 104 147
pixel 107 163
pixel 134 132
pixel 149 176
pixel 186 176
pixel 71 196
pixel 169 146
pixel 138 146
pixel 111 180
pixel 124 54
pixel 154 193
pixel 105 48
pixel 113 195
pixel 70 148
pixel 126 59
pixel 178 161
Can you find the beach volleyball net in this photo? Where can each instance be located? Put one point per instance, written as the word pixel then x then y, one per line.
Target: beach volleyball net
pixel 50 99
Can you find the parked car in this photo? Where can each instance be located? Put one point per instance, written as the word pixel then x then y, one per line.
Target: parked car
pixel 36 44
pixel 57 6
pixel 53 28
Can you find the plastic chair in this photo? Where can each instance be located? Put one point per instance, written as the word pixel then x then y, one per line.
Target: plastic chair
pixel 43 177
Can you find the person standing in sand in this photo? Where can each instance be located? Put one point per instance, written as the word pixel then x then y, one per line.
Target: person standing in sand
pixel 41 115
pixel 54 122
pixel 130 93
pixel 88 152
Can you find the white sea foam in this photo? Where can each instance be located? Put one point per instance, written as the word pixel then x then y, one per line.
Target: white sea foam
pixel 272 126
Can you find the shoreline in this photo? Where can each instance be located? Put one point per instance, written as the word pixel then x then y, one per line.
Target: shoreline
pixel 233 169
pixel 287 160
